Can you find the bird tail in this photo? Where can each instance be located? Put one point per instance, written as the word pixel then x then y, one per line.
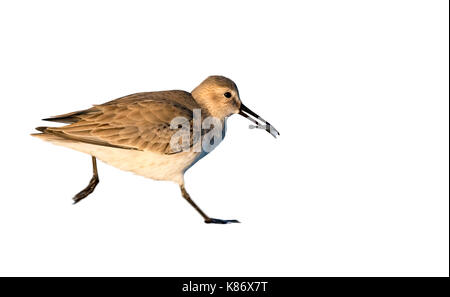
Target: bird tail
pixel 68 118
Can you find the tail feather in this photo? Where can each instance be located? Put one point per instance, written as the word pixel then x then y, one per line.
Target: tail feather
pixel 41 129
pixel 71 117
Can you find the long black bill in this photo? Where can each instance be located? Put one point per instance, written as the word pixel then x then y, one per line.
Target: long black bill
pixel 257 120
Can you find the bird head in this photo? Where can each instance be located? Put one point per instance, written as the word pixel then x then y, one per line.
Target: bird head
pixel 220 96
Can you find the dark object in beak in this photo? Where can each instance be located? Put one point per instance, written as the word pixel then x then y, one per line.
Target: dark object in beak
pixel 259 121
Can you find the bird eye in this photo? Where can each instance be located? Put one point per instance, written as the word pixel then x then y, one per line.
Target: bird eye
pixel 227 95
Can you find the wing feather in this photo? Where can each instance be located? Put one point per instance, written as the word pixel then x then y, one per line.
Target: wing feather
pixel 138 122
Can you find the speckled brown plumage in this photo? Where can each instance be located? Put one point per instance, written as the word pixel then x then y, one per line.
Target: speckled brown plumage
pixel 139 121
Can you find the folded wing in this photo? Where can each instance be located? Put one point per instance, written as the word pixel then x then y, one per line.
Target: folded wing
pixel 141 123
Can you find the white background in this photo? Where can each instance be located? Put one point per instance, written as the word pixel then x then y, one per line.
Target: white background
pixel 357 183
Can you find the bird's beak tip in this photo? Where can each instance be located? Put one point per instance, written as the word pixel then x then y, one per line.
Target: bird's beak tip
pixel 260 122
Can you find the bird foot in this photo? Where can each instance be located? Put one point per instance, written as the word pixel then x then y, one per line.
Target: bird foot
pixel 86 191
pixel 219 221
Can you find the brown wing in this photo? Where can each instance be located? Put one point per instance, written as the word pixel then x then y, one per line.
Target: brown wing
pixel 140 121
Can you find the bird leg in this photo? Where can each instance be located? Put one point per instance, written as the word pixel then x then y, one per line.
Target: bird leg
pixel 91 186
pixel 208 220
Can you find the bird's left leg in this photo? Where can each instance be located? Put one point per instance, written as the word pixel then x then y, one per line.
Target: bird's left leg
pixel 92 183
pixel 207 219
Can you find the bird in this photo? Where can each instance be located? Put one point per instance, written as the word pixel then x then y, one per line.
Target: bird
pixel 158 135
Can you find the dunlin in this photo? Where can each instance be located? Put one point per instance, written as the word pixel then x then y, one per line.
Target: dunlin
pixel 159 135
